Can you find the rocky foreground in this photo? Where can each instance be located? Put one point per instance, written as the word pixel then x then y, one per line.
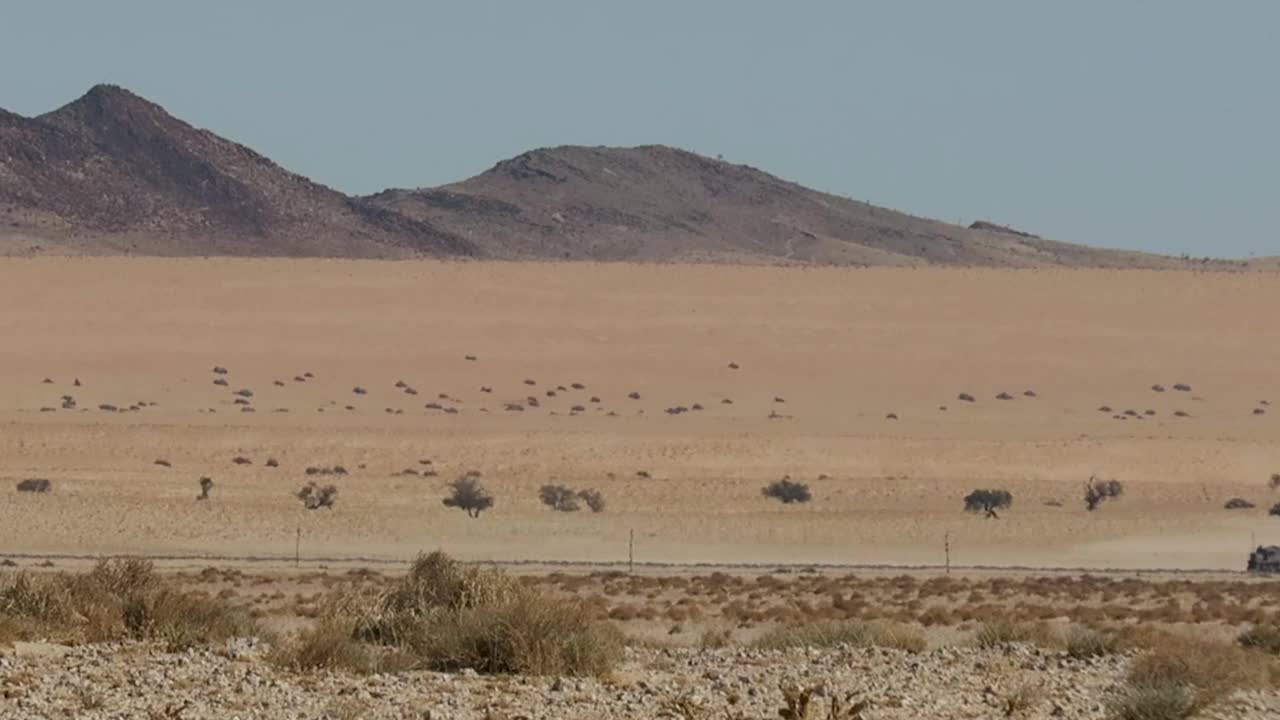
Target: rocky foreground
pixel 144 681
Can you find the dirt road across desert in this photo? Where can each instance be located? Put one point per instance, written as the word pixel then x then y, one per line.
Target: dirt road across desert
pixel 823 356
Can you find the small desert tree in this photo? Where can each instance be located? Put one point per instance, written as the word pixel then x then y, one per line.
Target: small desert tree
pixel 988 501
pixel 468 495
pixel 206 484
pixel 1274 482
pixel 787 491
pixel 559 497
pixel 1097 490
pixel 314 497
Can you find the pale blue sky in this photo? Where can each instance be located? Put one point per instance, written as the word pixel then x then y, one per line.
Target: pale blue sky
pixel 1148 124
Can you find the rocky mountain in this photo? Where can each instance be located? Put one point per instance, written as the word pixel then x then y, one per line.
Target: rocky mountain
pixel 112 173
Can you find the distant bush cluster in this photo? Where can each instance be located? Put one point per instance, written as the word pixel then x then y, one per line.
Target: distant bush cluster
pixel 566 499
pixel 787 491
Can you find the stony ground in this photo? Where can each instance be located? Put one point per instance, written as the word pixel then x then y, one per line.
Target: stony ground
pixel 143 681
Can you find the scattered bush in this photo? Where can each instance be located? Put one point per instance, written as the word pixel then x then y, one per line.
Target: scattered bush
pixel 988 501
pixel 633 395
pixel 827 634
pixel 163 463
pixel 1182 387
pixel 446 617
pixel 965 397
pixel 241 460
pixel 1238 504
pixel 1097 490
pixel 1004 396
pixel 1177 677
pixel 559 497
pixel 593 498
pixel 468 495
pixel 1003 632
pixel 121 598
pixel 1085 642
pixel 35 485
pixel 787 491
pixel 314 497
pixel 1274 482
pixel 1275 510
pixel 1261 637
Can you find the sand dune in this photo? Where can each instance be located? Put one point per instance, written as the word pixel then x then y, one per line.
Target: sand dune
pixel 841 348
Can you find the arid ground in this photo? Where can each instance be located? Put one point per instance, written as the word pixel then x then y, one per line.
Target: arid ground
pixel 823 357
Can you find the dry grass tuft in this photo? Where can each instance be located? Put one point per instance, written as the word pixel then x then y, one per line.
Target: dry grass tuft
pixel 120 598
pixel 827 634
pixel 445 616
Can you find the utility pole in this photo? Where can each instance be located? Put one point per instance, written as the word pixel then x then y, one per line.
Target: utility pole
pixel 631 553
pixel 297 545
pixel 946 544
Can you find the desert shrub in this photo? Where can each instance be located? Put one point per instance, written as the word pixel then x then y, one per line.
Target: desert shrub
pixel 1081 641
pixel 1274 482
pixel 565 499
pixel 965 397
pixel 34 485
pixel 1261 637
pixel 529 635
pixel 445 616
pixel 1238 504
pixel 469 495
pixel 988 501
pixel 1275 510
pixel 314 497
pixel 593 498
pixel 828 634
pixel 559 497
pixel 1177 677
pixel 359 390
pixel 1182 387
pixel 206 484
pixel 1003 632
pixel 787 491
pixel 119 598
pixel 1097 490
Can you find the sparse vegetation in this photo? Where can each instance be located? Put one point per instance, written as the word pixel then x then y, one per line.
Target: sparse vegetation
pixel 443 616
pixel 469 495
pixel 34 485
pixel 314 497
pixel 988 502
pixel 1098 490
pixel 787 491
pixel 206 484
pixel 120 598
pixel 825 634
pixel 1238 504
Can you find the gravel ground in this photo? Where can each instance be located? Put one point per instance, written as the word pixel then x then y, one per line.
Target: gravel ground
pixel 143 681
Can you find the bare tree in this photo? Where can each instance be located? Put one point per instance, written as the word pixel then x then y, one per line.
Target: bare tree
pixel 988 501
pixel 468 495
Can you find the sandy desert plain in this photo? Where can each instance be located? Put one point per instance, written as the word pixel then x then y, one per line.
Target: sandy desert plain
pixel 847 380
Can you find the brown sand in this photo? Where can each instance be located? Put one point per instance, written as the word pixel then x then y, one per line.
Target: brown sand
pixel 842 347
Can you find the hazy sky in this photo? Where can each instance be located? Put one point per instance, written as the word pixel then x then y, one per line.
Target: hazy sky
pixel 1144 124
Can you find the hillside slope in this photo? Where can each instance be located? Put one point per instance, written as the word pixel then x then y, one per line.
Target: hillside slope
pixel 112 172
pixel 658 203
